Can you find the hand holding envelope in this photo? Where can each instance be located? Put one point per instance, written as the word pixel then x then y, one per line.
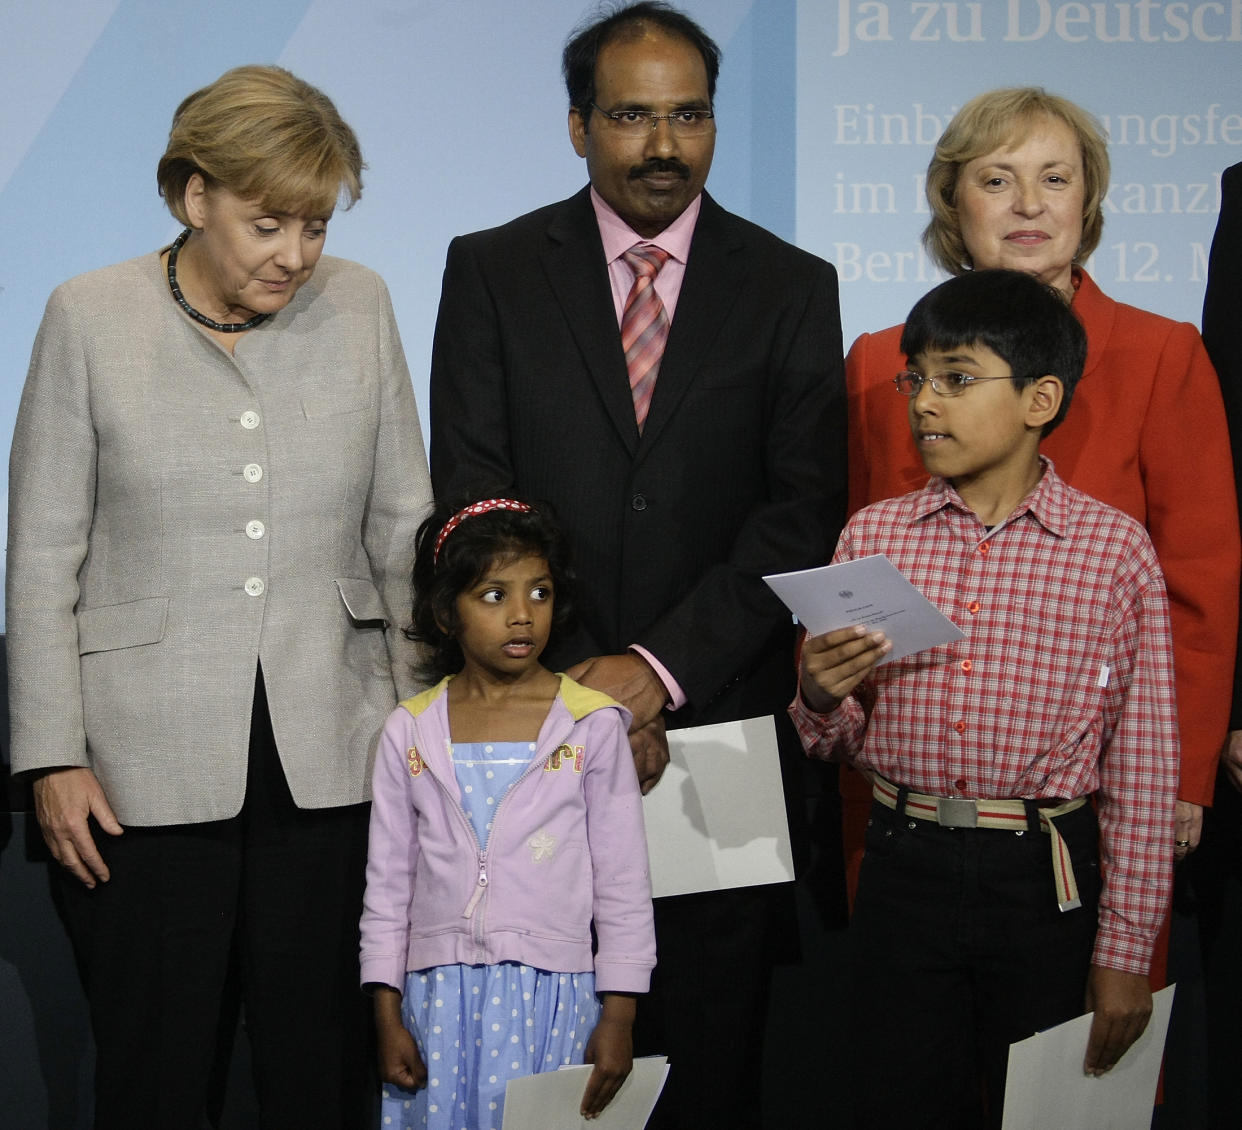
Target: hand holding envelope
pixel 858 615
pixel 1046 1086
pixel 550 1101
pixel 870 592
pixel 836 662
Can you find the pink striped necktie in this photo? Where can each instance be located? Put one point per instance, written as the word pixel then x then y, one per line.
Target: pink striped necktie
pixel 644 326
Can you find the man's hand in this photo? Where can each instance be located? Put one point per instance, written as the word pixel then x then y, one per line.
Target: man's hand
pixel 64 800
pixel 1231 759
pixel 1122 1006
pixel 836 662
pixel 1187 829
pixel 629 679
pixel 650 749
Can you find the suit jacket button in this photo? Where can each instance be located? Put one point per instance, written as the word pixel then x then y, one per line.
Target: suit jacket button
pixel 254 586
pixel 639 502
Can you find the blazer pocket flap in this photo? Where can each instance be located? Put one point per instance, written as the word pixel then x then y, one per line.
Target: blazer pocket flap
pixel 362 601
pixel 318 405
pixel 113 626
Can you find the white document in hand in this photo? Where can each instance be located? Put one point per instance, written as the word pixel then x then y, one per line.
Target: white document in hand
pixel 716 819
pixel 870 591
pixel 1045 1085
pixel 551 1100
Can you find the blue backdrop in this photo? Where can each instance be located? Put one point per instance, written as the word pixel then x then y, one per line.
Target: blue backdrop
pixel 827 111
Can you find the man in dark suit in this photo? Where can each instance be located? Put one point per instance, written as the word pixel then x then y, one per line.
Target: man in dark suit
pixel 679 487
pixel 1217 870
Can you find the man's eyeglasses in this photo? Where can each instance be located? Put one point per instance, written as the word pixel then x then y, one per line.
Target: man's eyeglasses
pixel 909 383
pixel 638 123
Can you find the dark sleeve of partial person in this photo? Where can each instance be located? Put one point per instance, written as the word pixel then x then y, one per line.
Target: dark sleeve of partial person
pixel 1222 307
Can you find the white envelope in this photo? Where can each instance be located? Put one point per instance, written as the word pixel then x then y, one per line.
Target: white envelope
pixel 551 1100
pixel 1045 1086
pixel 870 591
pixel 716 819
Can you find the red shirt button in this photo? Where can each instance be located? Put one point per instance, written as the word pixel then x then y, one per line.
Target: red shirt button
pixel 973 607
pixel 985 549
pixel 960 784
pixel 966 665
pixel 960 727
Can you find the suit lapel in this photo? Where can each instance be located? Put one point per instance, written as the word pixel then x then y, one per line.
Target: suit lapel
pixel 714 275
pixel 573 263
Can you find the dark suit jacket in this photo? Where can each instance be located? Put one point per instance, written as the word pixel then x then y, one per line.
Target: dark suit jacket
pixel 1222 309
pixel 741 467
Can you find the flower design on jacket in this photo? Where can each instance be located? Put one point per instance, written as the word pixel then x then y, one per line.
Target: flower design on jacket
pixel 542 846
pixel 415 761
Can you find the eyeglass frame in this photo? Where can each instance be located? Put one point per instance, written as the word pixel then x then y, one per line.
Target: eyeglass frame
pixel 970 379
pixel 614 116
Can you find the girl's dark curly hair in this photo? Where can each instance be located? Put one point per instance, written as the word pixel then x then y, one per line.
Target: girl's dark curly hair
pixel 465 556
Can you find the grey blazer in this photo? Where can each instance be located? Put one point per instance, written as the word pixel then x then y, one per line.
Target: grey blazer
pixel 178 515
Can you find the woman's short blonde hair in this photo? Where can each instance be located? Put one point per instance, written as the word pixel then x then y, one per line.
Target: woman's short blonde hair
pixel 265 135
pixel 993 121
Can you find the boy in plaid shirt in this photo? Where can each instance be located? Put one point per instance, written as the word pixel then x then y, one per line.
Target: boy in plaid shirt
pixel 992 902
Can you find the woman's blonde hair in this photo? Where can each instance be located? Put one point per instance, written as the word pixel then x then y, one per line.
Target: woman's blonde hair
pixel 265 135
pixel 995 120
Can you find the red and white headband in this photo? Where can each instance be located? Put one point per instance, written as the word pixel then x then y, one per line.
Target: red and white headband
pixel 473 510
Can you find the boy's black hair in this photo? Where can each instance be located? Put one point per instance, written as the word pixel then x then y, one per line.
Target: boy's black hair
pixel 1020 319
pixel 465 556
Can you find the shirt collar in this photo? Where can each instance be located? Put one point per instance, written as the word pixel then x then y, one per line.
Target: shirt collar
pixel 619 237
pixel 1048 503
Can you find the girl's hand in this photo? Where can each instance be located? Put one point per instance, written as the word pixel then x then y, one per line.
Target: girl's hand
pixel 836 662
pixel 397 1054
pixel 611 1050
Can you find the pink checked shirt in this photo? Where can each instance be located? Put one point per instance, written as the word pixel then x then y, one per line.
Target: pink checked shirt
pixel 1063 685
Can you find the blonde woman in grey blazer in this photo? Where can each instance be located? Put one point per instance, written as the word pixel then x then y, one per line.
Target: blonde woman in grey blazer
pixel 215 479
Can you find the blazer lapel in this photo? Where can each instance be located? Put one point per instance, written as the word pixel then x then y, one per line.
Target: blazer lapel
pixel 714 275
pixel 574 264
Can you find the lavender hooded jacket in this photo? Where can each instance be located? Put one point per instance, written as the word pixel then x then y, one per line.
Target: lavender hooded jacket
pixel 567 847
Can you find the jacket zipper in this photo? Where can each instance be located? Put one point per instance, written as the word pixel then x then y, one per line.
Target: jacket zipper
pixel 480 886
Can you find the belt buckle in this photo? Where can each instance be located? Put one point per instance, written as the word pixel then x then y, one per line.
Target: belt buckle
pixel 956 812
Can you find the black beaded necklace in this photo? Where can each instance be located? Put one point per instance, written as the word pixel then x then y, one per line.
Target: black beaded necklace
pixel 202 319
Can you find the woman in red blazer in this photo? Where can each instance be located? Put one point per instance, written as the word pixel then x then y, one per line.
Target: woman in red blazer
pixel 1017 181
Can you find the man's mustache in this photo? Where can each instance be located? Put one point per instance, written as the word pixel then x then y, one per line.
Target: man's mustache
pixel 660 165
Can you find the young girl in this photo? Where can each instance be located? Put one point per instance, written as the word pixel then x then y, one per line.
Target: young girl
pixel 506 821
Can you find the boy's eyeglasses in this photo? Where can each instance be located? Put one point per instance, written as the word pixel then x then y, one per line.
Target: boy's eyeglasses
pixel 909 383
pixel 683 123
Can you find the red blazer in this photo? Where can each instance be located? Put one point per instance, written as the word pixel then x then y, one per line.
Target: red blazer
pixel 1145 433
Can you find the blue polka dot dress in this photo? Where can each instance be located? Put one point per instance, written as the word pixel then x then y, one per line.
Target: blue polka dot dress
pixel 478 1026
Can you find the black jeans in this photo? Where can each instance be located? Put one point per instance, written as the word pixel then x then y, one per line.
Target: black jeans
pixel 959 949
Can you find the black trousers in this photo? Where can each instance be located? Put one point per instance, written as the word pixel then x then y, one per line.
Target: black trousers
pixel 1215 872
pixel 959 949
pixel 268 901
pixel 707 1005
